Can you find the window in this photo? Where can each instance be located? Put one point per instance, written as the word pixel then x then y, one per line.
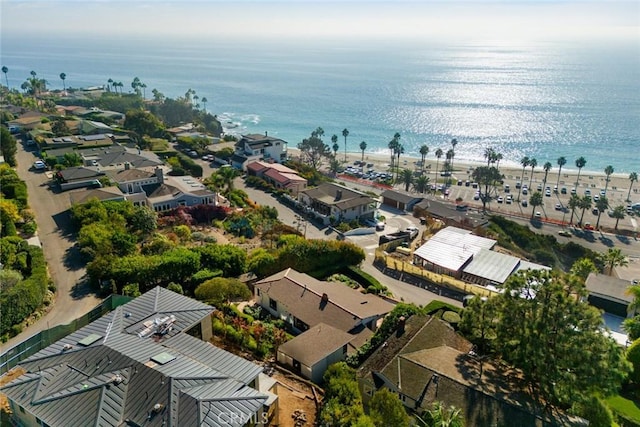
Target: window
pixel 299 324
pixel 258 292
pixel 273 304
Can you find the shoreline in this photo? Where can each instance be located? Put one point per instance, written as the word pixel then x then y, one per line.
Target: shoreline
pixel 588 179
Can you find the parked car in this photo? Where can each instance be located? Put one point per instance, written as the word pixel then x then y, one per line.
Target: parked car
pixel 588 226
pixel 558 207
pixel 39 165
pixel 563 190
pixel 565 233
pixel 525 203
pixel 500 200
pixel 547 192
pixel 538 214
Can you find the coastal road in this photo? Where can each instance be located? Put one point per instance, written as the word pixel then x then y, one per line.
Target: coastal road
pixel 73 296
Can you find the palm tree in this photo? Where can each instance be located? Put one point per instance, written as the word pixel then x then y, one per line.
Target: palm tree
pixel 345 133
pixel 547 167
pixel 438 154
pixel 144 90
pixel 440 416
pixel 109 84
pixel 407 178
pixel 633 177
pixel 574 203
pixel 561 162
pixel 204 103
pixel 614 258
pixel 524 162
pixel 585 203
pixel 336 147
pixel 5 70
pixel 602 204
pixel 607 171
pixel 580 163
pixel 421 184
pixel 489 154
pixel 195 101
pixel 363 146
pixel 454 142
pixel 618 214
pixel 424 150
pixel 393 144
pixel 63 77
pixel 533 163
pixel 498 158
pixel 228 175
pixel 448 164
pixel 535 201
pixel 399 151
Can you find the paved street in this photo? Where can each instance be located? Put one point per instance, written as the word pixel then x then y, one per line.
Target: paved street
pixel 73 298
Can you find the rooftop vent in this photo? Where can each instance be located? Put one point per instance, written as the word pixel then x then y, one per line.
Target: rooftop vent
pixel 67 347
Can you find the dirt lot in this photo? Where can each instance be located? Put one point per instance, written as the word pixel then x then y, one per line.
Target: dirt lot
pixel 294 395
pixel 6 379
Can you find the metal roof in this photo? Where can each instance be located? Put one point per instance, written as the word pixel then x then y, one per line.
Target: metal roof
pixel 452 247
pixel 491 265
pixel 114 377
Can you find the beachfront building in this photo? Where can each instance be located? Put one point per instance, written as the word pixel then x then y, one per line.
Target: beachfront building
pixel 610 294
pixel 335 201
pixel 449 250
pixel 400 200
pixel 139 365
pixel 256 147
pixel 280 176
pixel 459 253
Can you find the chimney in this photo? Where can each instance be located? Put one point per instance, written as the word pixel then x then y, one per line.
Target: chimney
pixel 159 174
pixel 338 194
pixel 401 322
pixel 127 166
pixel 265 133
pixel 325 298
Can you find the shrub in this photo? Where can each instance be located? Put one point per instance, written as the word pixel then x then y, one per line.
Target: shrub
pixel 436 305
pixel 451 317
pixel 633 356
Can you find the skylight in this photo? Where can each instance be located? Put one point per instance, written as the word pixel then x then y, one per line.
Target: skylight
pixel 163 358
pixel 89 339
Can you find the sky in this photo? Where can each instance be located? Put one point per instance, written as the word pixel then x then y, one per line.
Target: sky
pixel 498 19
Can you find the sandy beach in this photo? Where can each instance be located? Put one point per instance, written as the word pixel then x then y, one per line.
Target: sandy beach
pixel 555 205
pixel 618 185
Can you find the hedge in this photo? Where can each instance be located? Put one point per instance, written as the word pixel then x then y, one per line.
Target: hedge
pixel 370 283
pixel 25 297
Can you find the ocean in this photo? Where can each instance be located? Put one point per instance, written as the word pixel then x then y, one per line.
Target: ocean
pixel 542 100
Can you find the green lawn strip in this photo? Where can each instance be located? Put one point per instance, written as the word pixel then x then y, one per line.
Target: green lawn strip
pixel 626 408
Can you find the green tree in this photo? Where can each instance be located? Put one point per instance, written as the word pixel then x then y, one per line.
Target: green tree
pixel 524 162
pixel 313 150
pixel 574 203
pixel 386 409
pixel 547 167
pixel 143 220
pixel 486 176
pixel 407 178
pixel 614 258
pixel 5 70
pixel 143 123
pixel 421 184
pixel 72 159
pixel 585 203
pixel 345 133
pixel 335 147
pixel 602 204
pixel 544 326
pixel 477 323
pixel 228 175
pixel 439 153
pixel 633 177
pixel 204 101
pixel 342 402
pixel 582 268
pixel 454 142
pixel 535 201
pixel 363 146
pixel 533 163
pixel 59 127
pixel 561 162
pixel 442 416
pixel 618 213
pixel 580 163
pixel 63 77
pixel 221 290
pixel 334 166
pixel 594 410
pixel 8 146
pixel 424 150
pixel 607 171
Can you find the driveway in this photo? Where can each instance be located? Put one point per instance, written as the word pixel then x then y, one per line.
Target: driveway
pixel 73 296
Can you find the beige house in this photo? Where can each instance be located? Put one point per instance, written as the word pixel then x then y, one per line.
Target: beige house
pixel 330 200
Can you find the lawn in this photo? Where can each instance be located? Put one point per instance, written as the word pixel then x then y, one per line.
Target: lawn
pixel 626 408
